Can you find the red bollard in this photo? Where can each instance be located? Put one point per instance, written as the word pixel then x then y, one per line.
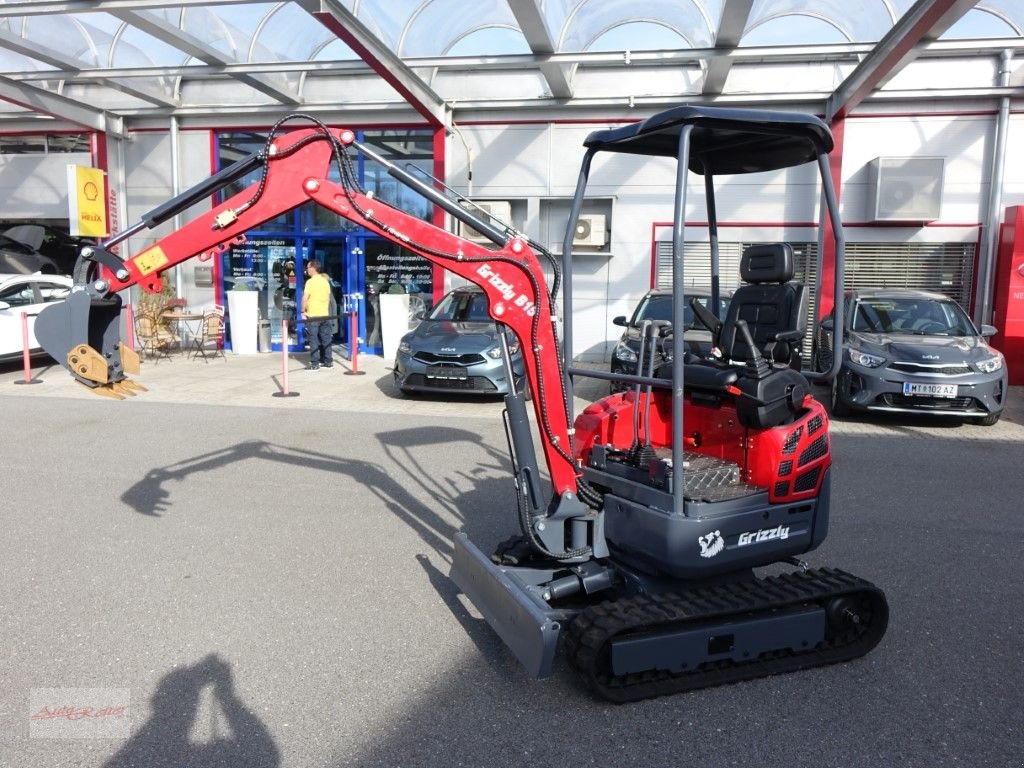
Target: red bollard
pixel 26 356
pixel 353 345
pixel 284 363
pixel 129 321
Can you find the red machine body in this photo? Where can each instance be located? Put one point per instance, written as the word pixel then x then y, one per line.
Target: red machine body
pixel 789 460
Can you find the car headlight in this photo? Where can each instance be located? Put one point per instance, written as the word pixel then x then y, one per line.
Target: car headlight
pixel 863 358
pixel 495 352
pixel 991 365
pixel 405 347
pixel 624 354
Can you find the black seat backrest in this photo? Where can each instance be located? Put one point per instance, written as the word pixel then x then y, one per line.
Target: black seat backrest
pixel 773 306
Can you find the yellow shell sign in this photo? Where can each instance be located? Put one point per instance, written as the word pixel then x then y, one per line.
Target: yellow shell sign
pixel 87 201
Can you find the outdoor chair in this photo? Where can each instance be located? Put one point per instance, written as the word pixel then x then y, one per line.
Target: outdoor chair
pixel 155 339
pixel 211 332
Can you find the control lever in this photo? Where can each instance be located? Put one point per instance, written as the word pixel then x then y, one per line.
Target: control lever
pixel 757 366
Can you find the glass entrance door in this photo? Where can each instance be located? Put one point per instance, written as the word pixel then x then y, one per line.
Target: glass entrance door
pixel 332 253
pixel 281 291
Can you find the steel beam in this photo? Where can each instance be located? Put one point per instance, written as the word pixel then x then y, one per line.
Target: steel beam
pixel 531 21
pixel 730 32
pixel 61 107
pixel 44 7
pixel 357 36
pixel 74 69
pixel 926 20
pixel 196 48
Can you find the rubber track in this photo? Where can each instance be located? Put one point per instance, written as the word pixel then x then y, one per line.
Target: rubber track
pixel 589 634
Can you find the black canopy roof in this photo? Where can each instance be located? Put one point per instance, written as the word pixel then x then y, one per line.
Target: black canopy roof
pixel 723 140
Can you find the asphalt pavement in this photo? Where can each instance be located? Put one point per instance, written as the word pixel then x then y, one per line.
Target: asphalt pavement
pixel 233 578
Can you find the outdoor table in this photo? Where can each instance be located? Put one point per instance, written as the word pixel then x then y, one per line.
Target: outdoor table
pixel 188 324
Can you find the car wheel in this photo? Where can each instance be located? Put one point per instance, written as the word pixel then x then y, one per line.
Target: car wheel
pixel 991 419
pixel 822 357
pixel 837 407
pixel 822 364
pixel 398 387
pixel 524 389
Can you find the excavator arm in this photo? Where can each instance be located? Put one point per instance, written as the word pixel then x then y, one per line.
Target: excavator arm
pixel 83 333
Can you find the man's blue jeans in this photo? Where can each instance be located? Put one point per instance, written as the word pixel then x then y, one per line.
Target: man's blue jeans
pixel 321 333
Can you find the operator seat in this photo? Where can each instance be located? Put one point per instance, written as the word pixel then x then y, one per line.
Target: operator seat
pixel 772 304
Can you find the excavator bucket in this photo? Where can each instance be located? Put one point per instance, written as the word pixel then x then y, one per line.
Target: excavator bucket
pixel 83 334
pixel 86 362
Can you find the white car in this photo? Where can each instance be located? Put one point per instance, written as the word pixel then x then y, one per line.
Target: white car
pixel 28 294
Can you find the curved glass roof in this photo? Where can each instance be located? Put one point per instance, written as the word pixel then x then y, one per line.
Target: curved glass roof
pixel 117 64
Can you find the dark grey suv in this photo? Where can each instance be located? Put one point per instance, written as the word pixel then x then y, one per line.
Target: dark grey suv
pixel 908 351
pixel 656 305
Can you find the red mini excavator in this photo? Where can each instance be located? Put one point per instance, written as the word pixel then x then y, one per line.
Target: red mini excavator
pixel 640 560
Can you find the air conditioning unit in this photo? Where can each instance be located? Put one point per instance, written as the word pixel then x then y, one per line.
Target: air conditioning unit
pixel 591 231
pixel 906 188
pixel 500 212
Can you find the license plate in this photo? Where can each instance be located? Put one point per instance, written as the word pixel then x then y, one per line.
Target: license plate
pixel 930 390
pixel 447 372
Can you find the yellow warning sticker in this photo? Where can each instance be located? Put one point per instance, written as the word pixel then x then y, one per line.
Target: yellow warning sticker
pixel 151 260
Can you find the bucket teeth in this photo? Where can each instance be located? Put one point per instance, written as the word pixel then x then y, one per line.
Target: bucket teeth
pixel 116 390
pixel 104 390
pixel 130 362
pixel 122 389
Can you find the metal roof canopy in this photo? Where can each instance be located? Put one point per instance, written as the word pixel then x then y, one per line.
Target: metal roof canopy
pixel 113 65
pixel 723 141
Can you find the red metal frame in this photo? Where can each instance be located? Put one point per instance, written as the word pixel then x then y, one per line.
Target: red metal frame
pixel 1008 290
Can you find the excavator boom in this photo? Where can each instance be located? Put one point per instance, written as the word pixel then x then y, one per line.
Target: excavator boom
pixel 83 332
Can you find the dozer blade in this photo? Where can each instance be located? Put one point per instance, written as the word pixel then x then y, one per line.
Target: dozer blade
pixel 523 621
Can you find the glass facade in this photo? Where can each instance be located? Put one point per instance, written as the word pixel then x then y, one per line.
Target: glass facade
pixel 359 265
pixel 217 57
pixel 43 143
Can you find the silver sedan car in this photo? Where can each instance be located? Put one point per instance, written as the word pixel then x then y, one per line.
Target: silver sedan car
pixel 457 349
